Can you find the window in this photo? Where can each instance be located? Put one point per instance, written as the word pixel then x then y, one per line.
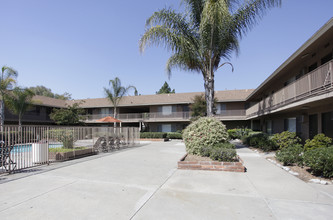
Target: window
pixel 301 73
pixel 290 124
pixel 326 58
pixel 106 111
pixel 313 67
pixel 291 80
pixel 167 110
pixel 221 108
pixel 166 128
pixel 269 127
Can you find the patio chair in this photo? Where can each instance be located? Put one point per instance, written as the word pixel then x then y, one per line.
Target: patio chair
pixel 100 144
pixel 5 160
pixel 104 145
pixel 117 143
pixel 111 143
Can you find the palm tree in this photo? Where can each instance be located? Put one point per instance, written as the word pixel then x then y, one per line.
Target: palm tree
pixel 116 93
pixel 19 101
pixel 7 82
pixel 205 34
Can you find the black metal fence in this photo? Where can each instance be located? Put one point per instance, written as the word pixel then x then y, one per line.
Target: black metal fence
pixel 29 146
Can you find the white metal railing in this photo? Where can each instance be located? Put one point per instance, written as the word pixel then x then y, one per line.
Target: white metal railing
pixel 29 146
pixel 231 113
pixel 153 116
pixel 315 82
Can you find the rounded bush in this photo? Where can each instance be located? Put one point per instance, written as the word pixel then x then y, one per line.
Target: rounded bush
pixel 206 131
pixel 318 141
pixel 320 161
pixel 291 155
pixel 286 139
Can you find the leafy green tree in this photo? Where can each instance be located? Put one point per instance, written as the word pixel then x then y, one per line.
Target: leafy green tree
pixel 204 35
pixel 198 107
pixel 165 89
pixel 43 91
pixel 65 96
pixel 7 82
pixel 72 115
pixel 19 101
pixel 117 92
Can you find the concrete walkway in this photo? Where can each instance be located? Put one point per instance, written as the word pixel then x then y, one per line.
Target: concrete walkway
pixel 143 183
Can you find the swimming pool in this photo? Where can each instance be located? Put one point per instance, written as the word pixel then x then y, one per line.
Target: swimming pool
pixel 27 147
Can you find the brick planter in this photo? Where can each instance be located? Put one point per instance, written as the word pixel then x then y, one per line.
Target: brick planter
pixel 54 156
pixel 211 165
pixel 153 139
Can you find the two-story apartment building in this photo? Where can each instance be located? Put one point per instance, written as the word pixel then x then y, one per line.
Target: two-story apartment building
pixel 298 97
pixel 167 112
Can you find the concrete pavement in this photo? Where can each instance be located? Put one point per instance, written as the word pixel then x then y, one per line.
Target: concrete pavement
pixel 143 183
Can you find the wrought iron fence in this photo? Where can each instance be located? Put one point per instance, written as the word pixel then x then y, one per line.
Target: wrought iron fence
pixel 29 146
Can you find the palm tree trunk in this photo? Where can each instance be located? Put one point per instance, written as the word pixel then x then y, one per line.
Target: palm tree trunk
pixel 209 96
pixel 2 116
pixel 115 115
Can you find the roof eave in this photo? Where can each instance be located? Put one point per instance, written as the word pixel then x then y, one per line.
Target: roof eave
pixel 298 52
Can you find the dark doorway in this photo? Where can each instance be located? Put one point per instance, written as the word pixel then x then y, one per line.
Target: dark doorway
pixel 313 125
pixel 327 124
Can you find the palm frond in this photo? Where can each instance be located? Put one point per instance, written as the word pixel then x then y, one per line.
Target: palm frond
pixel 248 14
pixel 169 28
pixel 183 61
pixel 194 9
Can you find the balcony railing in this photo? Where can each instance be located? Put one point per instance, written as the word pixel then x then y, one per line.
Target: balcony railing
pixel 314 83
pixel 158 116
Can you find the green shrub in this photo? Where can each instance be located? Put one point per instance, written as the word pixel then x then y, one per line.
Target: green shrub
pixel 246 139
pixel 174 135
pixel 319 141
pixel 153 135
pixel 223 154
pixel 266 144
pixel 286 139
pixel 61 149
pixel 66 136
pixel 238 133
pixel 233 134
pixel 207 151
pixel 206 131
pixel 320 161
pixel 291 155
pixel 225 145
pixel 259 140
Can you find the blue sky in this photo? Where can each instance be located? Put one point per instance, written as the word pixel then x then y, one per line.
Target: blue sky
pixel 77 46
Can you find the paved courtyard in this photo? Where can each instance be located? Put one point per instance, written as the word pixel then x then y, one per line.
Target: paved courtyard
pixel 143 183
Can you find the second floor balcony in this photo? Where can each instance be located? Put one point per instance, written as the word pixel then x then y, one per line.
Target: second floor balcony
pixel 160 117
pixel 308 88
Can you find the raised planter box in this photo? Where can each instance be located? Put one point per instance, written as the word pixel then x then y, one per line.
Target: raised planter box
pixel 69 155
pixel 154 139
pixel 212 165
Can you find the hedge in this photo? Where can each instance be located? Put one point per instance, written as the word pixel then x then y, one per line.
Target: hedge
pixel 153 135
pixel 174 135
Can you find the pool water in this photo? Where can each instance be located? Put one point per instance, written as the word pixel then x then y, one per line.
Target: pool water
pixel 27 147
